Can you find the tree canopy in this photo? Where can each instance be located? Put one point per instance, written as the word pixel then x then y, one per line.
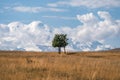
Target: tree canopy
pixel 60 40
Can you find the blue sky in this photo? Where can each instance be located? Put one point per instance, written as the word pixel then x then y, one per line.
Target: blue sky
pixel 64 13
pixel 67 11
pixel 9 14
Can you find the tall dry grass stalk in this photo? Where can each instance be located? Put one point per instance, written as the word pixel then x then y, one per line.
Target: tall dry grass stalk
pixel 51 66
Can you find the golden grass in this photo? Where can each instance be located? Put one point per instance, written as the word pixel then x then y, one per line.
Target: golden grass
pixel 16 65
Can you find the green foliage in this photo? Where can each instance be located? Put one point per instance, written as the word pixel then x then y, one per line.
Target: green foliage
pixel 60 40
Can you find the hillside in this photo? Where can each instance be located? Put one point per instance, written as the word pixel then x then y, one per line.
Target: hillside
pixel 116 49
pixel 21 65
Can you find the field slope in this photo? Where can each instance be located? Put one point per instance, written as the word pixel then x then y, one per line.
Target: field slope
pixel 16 65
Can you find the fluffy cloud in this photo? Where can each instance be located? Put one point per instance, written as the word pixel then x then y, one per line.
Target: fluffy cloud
pixel 36 9
pixel 37 36
pixel 98 29
pixel 88 3
pixel 25 36
pixel 88 19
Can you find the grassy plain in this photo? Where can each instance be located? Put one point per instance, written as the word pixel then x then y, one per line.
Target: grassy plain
pixel 16 65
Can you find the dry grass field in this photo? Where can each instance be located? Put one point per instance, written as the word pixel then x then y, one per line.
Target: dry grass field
pixel 16 65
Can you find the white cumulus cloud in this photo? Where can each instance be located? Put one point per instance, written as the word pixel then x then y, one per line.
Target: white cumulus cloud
pixel 97 29
pixel 37 36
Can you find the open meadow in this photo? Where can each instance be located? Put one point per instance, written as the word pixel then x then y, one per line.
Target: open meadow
pixel 17 65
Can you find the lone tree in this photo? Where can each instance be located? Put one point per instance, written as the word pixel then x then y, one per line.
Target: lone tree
pixel 60 40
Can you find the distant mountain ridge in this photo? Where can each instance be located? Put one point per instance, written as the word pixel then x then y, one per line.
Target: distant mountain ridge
pixel 94 46
pixel 116 49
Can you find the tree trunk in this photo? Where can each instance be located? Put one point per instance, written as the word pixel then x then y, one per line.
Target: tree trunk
pixel 59 50
pixel 64 50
